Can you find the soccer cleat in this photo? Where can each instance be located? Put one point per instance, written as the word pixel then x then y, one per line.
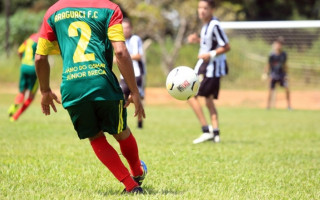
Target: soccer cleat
pixel 204 137
pixel 210 129
pixel 216 136
pixel 12 119
pixel 136 190
pixel 216 139
pixel 13 108
pixel 139 179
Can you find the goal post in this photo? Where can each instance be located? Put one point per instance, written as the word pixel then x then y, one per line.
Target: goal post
pixel 251 45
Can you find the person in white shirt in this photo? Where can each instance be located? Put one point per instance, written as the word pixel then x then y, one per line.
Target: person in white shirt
pixel 211 66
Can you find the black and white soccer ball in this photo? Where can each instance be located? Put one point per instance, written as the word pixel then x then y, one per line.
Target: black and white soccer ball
pixel 182 83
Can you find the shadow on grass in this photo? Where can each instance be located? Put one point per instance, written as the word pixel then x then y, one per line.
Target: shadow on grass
pixel 238 142
pixel 152 191
pixel 147 191
pixel 226 142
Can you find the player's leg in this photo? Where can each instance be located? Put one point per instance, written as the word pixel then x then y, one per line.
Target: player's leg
pixel 206 133
pixel 110 158
pixel 32 85
pixel 140 84
pixel 127 142
pixel 20 97
pixel 213 93
pixel 196 107
pixel 113 119
pixel 271 92
pixel 214 117
pixel 129 150
pixel 87 122
pixel 140 121
pixel 207 87
pixel 15 106
pixel 285 84
pixel 288 98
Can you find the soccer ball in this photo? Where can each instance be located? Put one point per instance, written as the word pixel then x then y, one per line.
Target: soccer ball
pixel 182 83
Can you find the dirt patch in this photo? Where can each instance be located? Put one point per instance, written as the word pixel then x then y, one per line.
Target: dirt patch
pixel 308 100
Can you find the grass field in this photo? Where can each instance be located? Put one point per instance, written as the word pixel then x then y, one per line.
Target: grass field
pixel 263 155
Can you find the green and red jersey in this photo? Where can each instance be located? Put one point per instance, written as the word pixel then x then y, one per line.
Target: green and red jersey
pixel 82 31
pixel 28 50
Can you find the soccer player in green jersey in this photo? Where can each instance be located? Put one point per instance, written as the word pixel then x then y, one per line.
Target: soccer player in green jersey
pixel 28 84
pixel 86 33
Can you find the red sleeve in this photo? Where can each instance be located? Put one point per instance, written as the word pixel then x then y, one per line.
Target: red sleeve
pixel 46 31
pixel 116 17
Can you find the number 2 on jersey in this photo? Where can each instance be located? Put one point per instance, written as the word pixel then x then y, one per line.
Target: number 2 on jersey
pixel 28 53
pixel 79 54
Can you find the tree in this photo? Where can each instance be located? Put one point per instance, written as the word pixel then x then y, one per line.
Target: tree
pixel 279 9
pixel 7 35
pixel 163 21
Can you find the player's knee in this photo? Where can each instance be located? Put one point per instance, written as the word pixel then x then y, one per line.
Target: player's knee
pixel 123 135
pixel 214 116
pixel 31 96
pixel 209 102
pixel 100 134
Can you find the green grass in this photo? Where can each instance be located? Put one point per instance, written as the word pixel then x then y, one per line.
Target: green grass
pixel 263 155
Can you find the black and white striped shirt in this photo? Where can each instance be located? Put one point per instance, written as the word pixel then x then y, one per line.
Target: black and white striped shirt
pixel 212 37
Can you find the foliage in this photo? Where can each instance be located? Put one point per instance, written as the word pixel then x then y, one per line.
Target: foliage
pixel 22 25
pixel 165 20
pixel 244 72
pixel 161 19
pixel 35 5
pixel 279 9
pixel 263 155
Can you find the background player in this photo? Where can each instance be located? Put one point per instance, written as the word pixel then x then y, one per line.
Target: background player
pixel 135 48
pixel 87 32
pixel 210 67
pixel 28 84
pixel 277 69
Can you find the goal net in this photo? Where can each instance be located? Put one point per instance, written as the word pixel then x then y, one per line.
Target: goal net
pixel 251 44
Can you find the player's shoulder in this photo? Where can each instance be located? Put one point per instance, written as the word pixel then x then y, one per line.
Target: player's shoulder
pixel 61 4
pixel 34 37
pixel 284 53
pixel 215 21
pixel 135 38
pixel 272 54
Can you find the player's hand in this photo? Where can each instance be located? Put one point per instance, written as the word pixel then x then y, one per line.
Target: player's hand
pixel 205 57
pixel 193 38
pixel 264 76
pixel 139 110
pixel 47 101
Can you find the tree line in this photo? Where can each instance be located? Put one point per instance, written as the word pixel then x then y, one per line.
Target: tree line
pixel 159 21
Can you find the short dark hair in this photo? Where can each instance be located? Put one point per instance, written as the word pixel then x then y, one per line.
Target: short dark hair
pixel 211 3
pixel 127 20
pixel 280 40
